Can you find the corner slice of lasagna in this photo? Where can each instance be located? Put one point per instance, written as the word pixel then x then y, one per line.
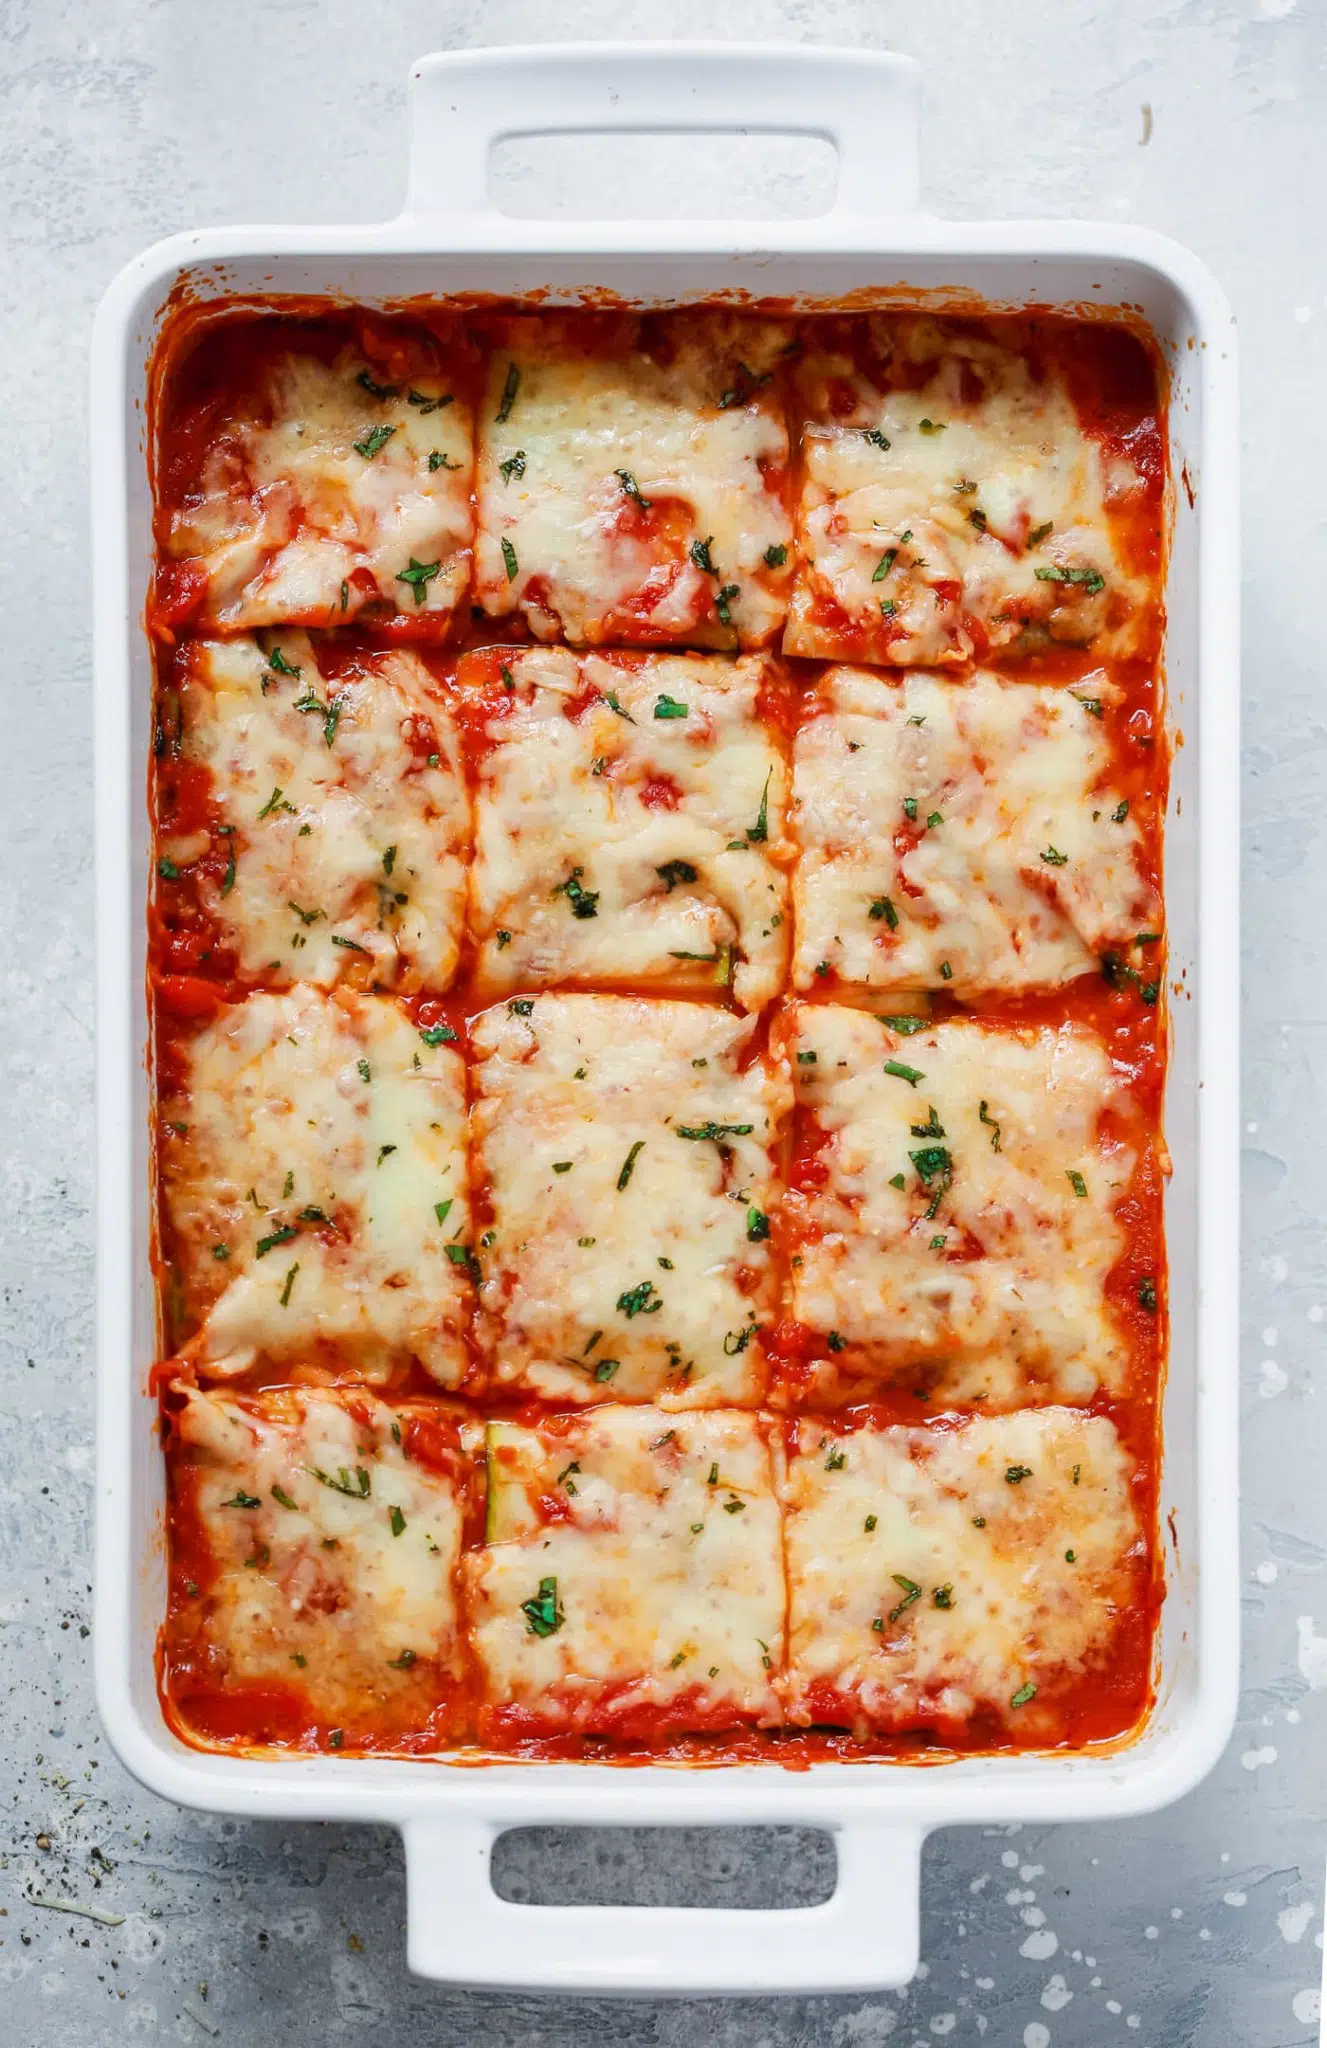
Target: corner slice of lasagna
pixel 623 1149
pixel 313 822
pixel 313 1172
pixel 312 479
pixel 991 1573
pixel 631 1581
pixel 954 502
pixel 953 1208
pixel 632 479
pixel 315 1548
pixel 630 821
pixel 973 836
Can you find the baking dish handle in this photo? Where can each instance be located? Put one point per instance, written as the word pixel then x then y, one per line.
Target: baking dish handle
pixel 865 103
pixel 864 1937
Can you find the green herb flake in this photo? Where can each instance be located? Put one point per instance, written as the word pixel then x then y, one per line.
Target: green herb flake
pixel 376 438
pixel 1077 1183
pixel 1120 812
pixel 836 1342
pixel 243 1500
pixel 509 390
pixel 911 1592
pixel 836 1459
pixel 418 575
pixel 1147 1296
pixel 1092 580
pixel 1016 1474
pixel 631 488
pixel 628 1164
pixel 397 1520
pixel 1027 1691
pixel 757 1226
pixel 639 1300
pixel 1054 858
pixel 882 907
pixel 1040 533
pixel 352 1481
pixel 269 1244
pixel 912 1075
pixel 290 1282
pixel 776 556
pixel 513 466
pixel 442 1210
pixel 698 1132
pixel 884 565
pixel 759 832
pixel 674 871
pixel 437 1034
pixel 723 600
pixel 543 1615
pixel 930 426
pixel 509 559
pixel 869 1524
pixel 669 707
pixel 221 1251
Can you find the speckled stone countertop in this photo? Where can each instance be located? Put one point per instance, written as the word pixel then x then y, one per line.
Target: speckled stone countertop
pixel 128 119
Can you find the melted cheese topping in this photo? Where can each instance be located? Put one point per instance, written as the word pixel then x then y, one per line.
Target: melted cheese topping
pixel 333 1553
pixel 949 1244
pixel 1034 863
pixel 964 495
pixel 935 1573
pixel 349 849
pixel 306 510
pixel 610 841
pixel 571 443
pixel 630 1260
pixel 303 1107
pixel 633 1572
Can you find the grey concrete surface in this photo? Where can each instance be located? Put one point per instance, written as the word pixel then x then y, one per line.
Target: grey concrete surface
pixel 1200 1928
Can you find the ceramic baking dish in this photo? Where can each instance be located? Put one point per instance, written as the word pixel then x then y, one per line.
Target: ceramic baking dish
pixel 450 239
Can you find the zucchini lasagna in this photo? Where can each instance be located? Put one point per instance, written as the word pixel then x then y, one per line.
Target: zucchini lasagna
pixel 656 952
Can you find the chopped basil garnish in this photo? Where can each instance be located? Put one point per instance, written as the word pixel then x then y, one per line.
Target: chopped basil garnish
pixel 1076 1181
pixel 1039 533
pixel 631 488
pixel 1027 1691
pixel 757 1226
pixel 669 707
pixel 1054 858
pixel 714 1131
pixel 290 1282
pixel 982 1117
pixel 912 1075
pixel 628 1164
pixel 883 907
pixel 509 390
pixel 281 1236
pixel 397 1520
pixel 1016 1474
pixel 638 1301
pixel 243 1500
pixel 437 1034
pixel 584 902
pixel 509 559
pixel 911 1591
pixel 759 832
pixel 418 575
pixel 1092 580
pixel 723 601
pixel 701 556
pixel 353 1481
pixel 542 1614
pixel 1147 1295
pixel 513 466
pixel 376 438
pixel 776 556
pixel 674 871
pixel 442 1210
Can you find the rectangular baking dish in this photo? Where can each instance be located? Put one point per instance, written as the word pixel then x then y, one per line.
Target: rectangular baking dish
pixel 449 239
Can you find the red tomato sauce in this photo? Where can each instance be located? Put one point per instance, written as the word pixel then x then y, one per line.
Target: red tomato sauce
pixel 206 370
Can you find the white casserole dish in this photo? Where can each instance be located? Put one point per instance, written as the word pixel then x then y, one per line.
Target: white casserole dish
pixel 450 239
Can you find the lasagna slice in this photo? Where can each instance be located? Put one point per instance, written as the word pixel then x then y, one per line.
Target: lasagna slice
pixel 632 479
pixel 631 1579
pixel 623 1150
pixel 953 502
pixel 630 822
pixel 322 481
pixel 972 835
pixel 313 823
pixel 986 1573
pixel 313 1172
pixel 316 1541
pixel 953 1204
